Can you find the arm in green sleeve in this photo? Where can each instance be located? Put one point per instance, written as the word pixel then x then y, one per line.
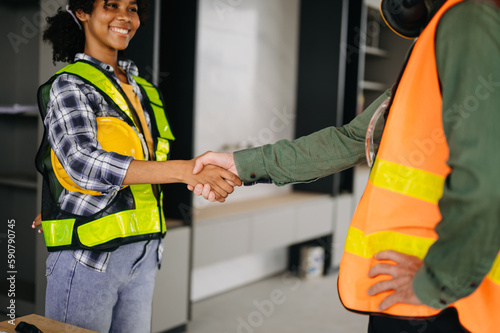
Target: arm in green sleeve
pixel 468 53
pixel 310 157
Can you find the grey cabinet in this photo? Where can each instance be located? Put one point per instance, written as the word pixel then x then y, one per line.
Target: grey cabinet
pixel 171 305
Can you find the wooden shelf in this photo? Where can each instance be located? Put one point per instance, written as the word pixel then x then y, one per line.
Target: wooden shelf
pixel 384 53
pixel 172 224
pixel 248 206
pixel 43 324
pixel 373 86
pixel 375 51
pixel 375 4
pixel 20 110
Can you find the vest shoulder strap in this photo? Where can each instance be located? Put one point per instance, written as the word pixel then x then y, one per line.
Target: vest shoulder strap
pixel 94 76
pixel 157 106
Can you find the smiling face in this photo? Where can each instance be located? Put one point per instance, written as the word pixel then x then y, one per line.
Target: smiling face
pixel 110 27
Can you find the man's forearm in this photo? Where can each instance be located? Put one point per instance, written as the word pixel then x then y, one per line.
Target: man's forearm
pixel 317 155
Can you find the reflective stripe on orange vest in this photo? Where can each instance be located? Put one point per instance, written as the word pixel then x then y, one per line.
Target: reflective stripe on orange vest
pixel 399 210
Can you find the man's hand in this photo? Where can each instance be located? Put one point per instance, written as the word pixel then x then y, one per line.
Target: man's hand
pixel 220 181
pixel 402 277
pixel 223 160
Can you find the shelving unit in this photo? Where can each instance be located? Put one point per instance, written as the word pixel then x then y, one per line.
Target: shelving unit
pixel 19 142
pixel 370 50
pixel 382 54
pixel 15 117
pixel 374 56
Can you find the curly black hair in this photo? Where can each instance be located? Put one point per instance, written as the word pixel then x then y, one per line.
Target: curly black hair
pixel 65 35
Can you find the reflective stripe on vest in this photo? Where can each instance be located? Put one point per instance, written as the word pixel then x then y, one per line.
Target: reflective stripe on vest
pixel 406 180
pixel 95 77
pixel 147 216
pixel 494 274
pixel 163 145
pixel 145 219
pixel 157 105
pixel 366 246
pixel 398 209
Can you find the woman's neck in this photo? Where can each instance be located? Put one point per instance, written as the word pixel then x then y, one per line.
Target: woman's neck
pixel 111 59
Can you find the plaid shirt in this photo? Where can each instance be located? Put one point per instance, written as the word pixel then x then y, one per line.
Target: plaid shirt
pixel 71 129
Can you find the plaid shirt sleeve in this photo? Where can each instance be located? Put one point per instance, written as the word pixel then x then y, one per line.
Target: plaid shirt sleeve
pixel 71 129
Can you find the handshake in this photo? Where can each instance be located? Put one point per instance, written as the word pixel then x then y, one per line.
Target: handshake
pixel 214 176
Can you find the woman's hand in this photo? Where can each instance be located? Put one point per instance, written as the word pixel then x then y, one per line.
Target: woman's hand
pixel 220 182
pixel 223 160
pixel 37 223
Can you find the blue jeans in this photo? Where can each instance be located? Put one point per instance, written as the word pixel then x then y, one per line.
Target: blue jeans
pixel 118 300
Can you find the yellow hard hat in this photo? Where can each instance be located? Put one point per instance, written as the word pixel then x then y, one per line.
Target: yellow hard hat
pixel 114 135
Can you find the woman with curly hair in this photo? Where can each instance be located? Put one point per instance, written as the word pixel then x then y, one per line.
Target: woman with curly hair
pixel 106 141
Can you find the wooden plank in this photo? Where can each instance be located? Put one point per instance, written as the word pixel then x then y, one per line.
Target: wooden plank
pixel 46 325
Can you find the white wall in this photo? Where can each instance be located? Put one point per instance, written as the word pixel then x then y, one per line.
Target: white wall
pixel 245 78
pixel 246 73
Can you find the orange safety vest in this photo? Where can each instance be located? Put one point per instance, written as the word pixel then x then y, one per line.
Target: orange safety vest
pixel 399 208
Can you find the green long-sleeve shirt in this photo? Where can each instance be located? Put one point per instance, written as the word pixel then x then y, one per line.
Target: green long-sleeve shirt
pixel 468 61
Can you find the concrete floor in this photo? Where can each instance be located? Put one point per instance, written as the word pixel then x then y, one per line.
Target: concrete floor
pixel 281 303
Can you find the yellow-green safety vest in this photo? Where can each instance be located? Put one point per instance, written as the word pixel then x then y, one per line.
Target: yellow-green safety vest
pixel 136 213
